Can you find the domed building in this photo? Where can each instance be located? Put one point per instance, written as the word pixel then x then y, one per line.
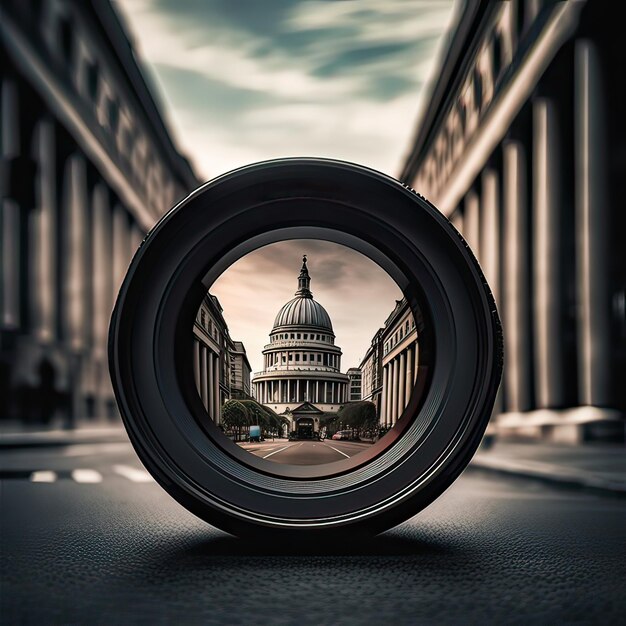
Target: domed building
pixel 302 365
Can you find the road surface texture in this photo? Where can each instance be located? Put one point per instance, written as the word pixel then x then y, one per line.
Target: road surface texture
pixel 88 538
pixel 306 452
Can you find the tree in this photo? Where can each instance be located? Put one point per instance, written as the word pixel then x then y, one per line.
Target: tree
pixel 359 416
pixel 235 416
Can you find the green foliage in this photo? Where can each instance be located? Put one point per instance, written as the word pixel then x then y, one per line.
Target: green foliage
pixel 268 420
pixel 358 415
pixel 235 414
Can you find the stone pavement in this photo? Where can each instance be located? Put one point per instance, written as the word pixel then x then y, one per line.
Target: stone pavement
pixel 600 467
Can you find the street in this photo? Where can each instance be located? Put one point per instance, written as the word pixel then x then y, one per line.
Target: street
pixel 88 537
pixel 305 452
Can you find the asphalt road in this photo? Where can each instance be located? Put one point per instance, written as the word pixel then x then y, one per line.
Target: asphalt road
pixel 88 538
pixel 306 452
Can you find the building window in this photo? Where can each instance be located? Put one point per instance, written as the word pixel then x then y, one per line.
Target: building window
pixel 202 319
pixel 305 336
pixel 297 357
pixel 292 336
pixel 298 335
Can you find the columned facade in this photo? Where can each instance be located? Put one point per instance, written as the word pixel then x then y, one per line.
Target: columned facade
pixel 400 359
pixel 520 146
pixel 87 168
pixel 302 363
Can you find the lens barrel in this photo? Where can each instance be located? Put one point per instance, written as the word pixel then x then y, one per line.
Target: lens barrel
pixel 150 344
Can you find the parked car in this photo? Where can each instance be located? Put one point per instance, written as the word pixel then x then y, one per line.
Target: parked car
pixel 346 435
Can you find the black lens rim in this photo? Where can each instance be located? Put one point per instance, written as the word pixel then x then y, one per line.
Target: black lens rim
pixel 147 347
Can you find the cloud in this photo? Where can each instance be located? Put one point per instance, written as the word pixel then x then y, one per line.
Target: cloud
pixel 245 81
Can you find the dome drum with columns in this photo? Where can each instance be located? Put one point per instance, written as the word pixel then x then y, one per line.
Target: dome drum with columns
pixel 301 363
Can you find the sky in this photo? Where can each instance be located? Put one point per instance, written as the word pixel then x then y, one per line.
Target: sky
pixel 241 81
pixel 253 289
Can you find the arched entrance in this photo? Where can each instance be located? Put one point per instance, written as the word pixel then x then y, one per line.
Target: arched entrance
pixel 305 428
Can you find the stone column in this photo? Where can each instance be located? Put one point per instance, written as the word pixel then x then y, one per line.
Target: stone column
pixel 43 233
pixel 592 229
pixel 11 274
pixel 217 394
pixel 121 234
pixel 196 364
pixel 204 391
pixel 416 355
pixel 210 379
pixel 102 251
pixel 516 294
pixel 547 274
pixel 394 392
pixel 408 379
pixel 471 221
pixel 383 398
pixel 389 413
pixel 490 230
pixel 298 390
pixel 401 383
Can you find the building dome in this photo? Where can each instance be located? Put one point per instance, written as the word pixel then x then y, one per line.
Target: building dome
pixel 303 310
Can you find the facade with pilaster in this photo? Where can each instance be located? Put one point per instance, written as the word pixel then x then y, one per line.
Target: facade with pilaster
pixel 88 166
pixel 354 387
pixel 521 145
pixel 400 361
pixel 212 349
pixel 372 372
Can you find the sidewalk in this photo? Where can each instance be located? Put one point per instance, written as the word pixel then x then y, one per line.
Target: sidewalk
pixel 16 436
pixel 599 467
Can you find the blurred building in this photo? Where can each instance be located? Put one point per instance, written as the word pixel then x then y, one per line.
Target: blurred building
pixel 354 384
pixel 522 144
pixel 87 167
pixel 302 363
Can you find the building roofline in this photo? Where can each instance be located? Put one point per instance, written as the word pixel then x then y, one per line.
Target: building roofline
pixel 115 31
pixel 446 75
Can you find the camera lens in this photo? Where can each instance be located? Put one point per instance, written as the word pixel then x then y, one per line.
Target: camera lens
pixel 229 340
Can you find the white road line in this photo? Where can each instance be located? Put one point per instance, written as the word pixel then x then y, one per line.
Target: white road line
pixel 279 450
pixel 86 449
pixel 86 476
pixel 134 474
pixel 340 452
pixel 43 476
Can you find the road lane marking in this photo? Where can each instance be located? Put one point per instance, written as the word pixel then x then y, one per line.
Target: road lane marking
pixel 86 476
pixel 340 452
pixel 43 476
pixel 279 450
pixel 86 449
pixel 134 474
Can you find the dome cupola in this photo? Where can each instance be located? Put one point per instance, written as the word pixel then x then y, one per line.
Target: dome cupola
pixel 303 310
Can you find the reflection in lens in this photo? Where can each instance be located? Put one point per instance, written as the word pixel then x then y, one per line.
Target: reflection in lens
pixel 289 398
